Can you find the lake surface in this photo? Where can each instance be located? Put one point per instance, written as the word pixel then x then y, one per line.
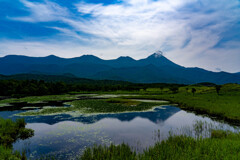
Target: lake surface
pixel 66 136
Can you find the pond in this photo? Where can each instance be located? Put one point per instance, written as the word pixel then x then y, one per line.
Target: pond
pixel 66 136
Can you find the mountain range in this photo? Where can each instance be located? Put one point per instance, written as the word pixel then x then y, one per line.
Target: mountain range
pixel 154 69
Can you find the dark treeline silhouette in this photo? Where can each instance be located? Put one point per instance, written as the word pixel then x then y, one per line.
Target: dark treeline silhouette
pixel 19 88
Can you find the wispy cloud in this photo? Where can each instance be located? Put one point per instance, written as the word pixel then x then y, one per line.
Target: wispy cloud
pixel 187 30
pixel 42 12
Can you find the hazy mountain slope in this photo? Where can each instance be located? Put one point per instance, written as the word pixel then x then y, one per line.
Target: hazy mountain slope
pixel 78 69
pixel 85 70
pixel 145 74
pixel 198 75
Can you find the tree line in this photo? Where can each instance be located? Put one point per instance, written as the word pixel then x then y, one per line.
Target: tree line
pixel 20 88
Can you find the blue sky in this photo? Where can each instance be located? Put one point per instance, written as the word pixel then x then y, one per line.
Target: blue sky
pixel 201 33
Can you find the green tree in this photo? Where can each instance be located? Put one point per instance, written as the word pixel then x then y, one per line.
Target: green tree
pixel 161 88
pixel 11 131
pixel 193 91
pixel 174 89
pixel 218 88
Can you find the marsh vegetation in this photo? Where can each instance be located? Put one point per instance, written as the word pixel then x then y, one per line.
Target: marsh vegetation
pixel 221 145
pixel 93 106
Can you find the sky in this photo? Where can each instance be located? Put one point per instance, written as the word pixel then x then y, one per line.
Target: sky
pixel 192 33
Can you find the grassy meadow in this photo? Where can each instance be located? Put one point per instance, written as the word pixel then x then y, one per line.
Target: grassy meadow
pixel 225 105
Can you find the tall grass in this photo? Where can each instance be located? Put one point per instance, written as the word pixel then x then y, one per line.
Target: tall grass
pixel 120 152
pixel 203 142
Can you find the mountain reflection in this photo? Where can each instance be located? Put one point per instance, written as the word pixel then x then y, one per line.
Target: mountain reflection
pixel 156 116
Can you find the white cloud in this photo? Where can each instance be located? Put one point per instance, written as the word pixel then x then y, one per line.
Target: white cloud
pixel 139 27
pixel 43 12
pixel 68 32
pixel 133 23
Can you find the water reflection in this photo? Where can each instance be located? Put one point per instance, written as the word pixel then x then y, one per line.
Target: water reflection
pixel 156 116
pixel 65 136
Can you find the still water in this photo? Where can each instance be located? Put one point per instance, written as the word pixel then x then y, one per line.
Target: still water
pixel 66 136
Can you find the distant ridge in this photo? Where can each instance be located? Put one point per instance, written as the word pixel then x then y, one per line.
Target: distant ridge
pixel 67 78
pixel 156 68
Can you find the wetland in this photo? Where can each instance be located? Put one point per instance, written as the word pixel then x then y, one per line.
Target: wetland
pixel 66 125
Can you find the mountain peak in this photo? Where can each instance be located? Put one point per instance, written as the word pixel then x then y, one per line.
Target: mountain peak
pixel 158 59
pixel 158 54
pixel 89 56
pixel 125 58
pixel 88 59
pixel 52 56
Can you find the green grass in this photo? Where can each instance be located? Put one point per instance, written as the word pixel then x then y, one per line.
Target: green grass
pixel 37 99
pixel 121 152
pixel 222 145
pixel 112 105
pixel 47 98
pixel 33 99
pixel 7 101
pixel 225 106
pixel 182 148
pixel 5 105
